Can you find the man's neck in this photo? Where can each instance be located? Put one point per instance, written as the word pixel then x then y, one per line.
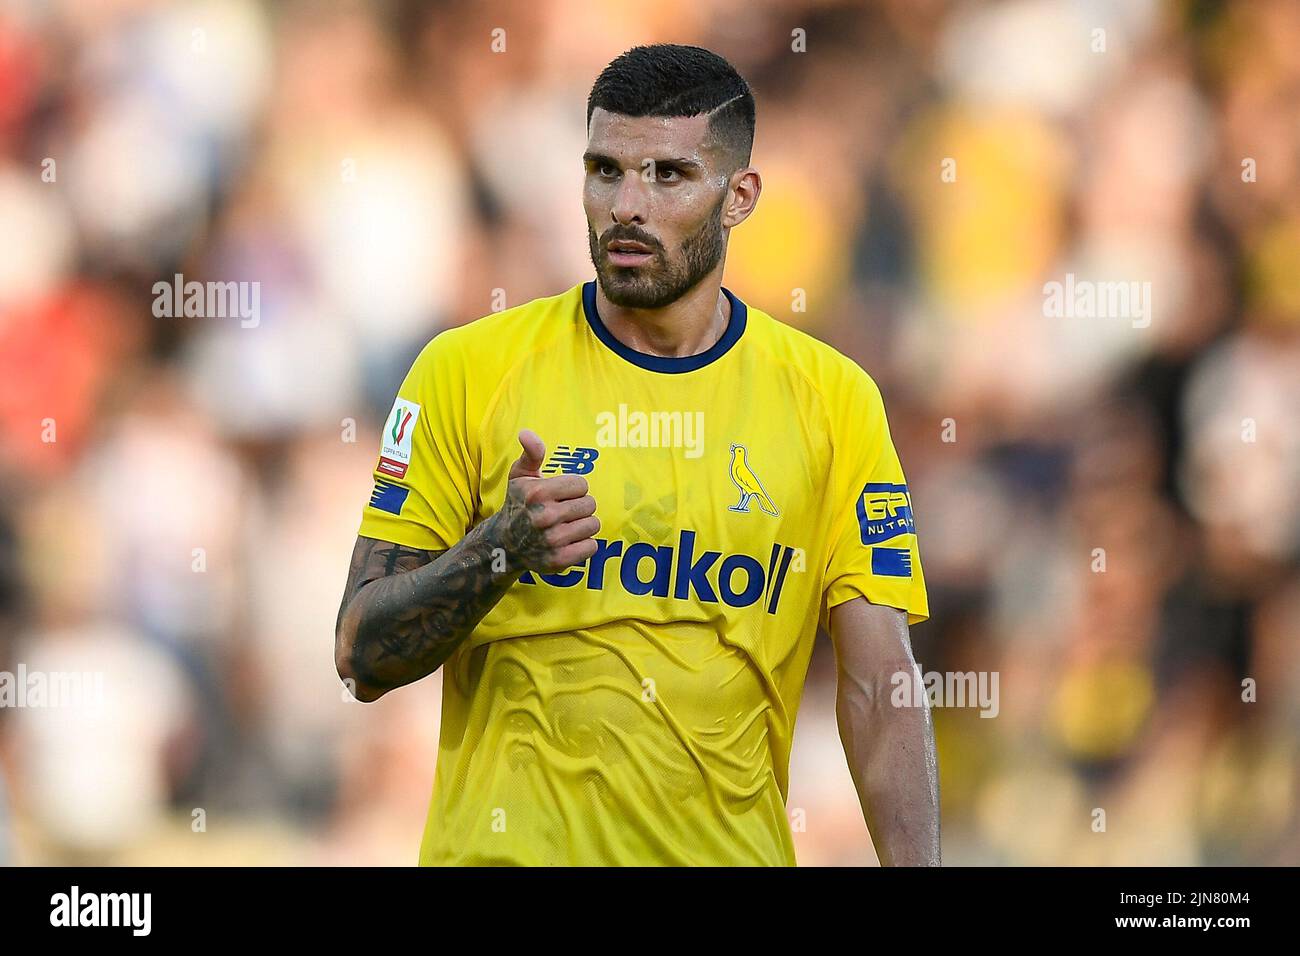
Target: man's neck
pixel 689 326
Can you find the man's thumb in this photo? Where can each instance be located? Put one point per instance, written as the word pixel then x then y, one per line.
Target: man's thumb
pixel 530 459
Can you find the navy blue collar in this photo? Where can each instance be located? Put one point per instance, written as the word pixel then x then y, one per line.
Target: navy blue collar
pixel 663 363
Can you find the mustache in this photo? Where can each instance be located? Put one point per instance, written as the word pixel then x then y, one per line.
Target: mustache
pixel 629 234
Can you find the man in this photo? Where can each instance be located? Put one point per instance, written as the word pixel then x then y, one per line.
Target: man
pixel 624 623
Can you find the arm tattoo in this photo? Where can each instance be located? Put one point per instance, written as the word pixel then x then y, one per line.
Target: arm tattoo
pixel 406 610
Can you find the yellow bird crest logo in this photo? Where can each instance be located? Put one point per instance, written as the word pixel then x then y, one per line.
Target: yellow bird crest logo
pixel 751 489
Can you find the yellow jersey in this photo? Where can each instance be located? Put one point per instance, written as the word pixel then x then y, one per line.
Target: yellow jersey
pixel 638 709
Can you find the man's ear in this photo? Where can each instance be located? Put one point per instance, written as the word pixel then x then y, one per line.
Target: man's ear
pixel 743 190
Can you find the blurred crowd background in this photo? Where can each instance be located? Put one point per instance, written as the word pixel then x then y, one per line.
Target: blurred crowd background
pixel 1109 514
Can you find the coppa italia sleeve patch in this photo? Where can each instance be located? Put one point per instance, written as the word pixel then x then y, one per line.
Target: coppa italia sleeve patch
pixel 398 431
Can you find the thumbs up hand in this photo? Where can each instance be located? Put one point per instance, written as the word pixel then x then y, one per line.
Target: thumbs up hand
pixel 546 524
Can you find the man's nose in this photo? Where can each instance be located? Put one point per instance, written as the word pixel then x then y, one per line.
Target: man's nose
pixel 630 200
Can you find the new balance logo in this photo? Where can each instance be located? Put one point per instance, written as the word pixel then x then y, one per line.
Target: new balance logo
pixel 570 461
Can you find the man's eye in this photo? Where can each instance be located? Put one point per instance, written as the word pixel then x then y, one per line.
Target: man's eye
pixel 607 170
pixel 668 174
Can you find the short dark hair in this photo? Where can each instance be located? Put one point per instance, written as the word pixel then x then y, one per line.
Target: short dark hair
pixel 666 79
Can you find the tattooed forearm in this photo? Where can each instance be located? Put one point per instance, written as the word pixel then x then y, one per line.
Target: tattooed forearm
pixel 405 611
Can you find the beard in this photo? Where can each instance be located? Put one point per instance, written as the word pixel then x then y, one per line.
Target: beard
pixel 659 282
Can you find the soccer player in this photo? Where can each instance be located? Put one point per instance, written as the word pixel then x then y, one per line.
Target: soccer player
pixel 615 517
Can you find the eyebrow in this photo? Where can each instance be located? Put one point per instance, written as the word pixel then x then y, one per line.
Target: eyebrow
pixel 681 162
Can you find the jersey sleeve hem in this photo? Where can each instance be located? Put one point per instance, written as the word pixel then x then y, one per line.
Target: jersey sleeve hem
pixel 406 533
pixel 842 593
